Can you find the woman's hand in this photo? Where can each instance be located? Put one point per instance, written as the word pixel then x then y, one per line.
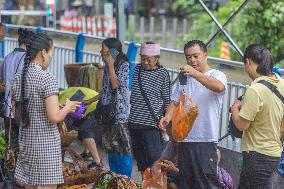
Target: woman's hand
pixel 72 105
pixel 108 60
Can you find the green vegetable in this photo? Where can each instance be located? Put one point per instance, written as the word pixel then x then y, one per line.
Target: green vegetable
pixel 2 145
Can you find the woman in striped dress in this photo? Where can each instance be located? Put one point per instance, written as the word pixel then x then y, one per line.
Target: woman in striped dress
pixel 147 142
pixel 35 98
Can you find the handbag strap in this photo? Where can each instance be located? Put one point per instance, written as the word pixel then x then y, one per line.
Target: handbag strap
pixel 157 118
pixel 9 135
pixel 273 88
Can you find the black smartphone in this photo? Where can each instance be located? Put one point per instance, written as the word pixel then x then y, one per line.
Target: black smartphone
pixel 182 78
pixel 78 96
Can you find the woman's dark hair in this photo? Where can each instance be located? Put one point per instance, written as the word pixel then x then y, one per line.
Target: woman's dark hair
pixel 24 36
pixel 37 42
pixel 260 55
pixel 114 43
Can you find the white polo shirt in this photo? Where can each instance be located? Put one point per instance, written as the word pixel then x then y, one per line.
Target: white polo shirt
pixel 205 128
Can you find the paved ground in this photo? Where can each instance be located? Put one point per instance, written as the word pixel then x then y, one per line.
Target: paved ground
pixel 135 174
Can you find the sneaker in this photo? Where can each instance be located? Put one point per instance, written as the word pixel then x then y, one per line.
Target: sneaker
pixel 87 156
pixel 94 165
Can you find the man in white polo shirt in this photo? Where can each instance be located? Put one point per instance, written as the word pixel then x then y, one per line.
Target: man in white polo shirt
pixel 197 157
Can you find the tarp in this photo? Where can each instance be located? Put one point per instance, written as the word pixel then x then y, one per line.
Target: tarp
pixel 131 55
pixel 89 93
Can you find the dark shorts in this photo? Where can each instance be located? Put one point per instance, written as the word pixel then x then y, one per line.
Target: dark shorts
pixel 87 127
pixel 257 170
pixel 147 146
pixel 197 162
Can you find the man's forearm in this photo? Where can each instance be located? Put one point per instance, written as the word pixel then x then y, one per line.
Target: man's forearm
pixel 210 82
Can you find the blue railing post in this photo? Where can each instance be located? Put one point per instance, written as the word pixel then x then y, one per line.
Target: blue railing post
pixel 3 49
pixel 39 30
pixel 79 48
pixel 131 55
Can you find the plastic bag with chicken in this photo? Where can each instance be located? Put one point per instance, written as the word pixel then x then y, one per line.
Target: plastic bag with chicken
pixel 183 117
pixel 154 179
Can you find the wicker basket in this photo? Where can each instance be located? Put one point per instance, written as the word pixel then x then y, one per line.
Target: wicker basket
pixel 72 72
pixel 82 186
pixel 82 174
pixel 67 137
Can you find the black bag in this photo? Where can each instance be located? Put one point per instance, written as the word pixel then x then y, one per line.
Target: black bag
pixel 106 114
pixel 232 129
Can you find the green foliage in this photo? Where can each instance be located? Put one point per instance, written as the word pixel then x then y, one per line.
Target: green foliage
pixel 2 145
pixel 261 21
pixel 264 23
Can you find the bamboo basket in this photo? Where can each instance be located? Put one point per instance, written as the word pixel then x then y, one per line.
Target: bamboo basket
pixel 72 73
pixel 82 174
pixel 67 137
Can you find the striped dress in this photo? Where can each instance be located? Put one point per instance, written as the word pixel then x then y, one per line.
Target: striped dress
pixel 156 84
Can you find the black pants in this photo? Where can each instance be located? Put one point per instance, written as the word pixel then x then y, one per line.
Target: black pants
pixel 147 146
pixel 257 170
pixel 197 162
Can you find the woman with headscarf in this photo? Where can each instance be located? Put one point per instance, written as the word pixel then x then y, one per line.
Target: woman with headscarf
pixel 153 80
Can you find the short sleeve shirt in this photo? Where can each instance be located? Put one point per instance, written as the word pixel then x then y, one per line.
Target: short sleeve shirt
pixel 265 111
pixel 205 128
pixel 122 95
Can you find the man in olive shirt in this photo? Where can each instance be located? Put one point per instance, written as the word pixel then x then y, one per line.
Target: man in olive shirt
pixel 259 115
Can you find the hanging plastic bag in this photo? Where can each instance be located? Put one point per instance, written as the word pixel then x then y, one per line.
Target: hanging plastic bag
pixel 183 118
pixel 157 180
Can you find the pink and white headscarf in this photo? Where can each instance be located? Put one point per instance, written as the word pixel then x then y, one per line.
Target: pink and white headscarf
pixel 150 49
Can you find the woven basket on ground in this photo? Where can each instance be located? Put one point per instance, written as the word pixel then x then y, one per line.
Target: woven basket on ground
pixel 67 137
pixel 82 186
pixel 77 172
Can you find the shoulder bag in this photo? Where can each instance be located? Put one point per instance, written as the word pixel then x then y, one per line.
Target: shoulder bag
pixel 106 114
